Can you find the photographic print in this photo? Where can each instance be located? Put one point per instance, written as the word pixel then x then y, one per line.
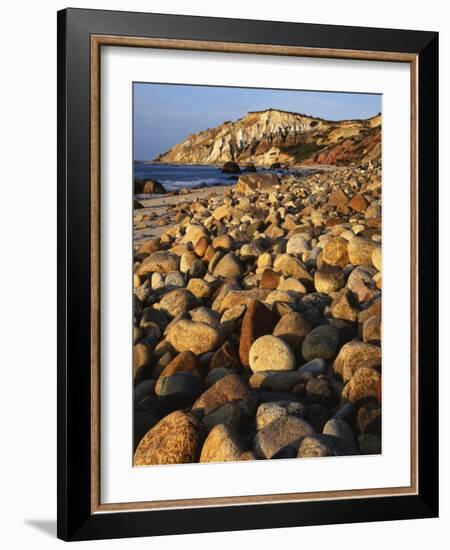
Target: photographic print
pixel 256 274
pixel 228 205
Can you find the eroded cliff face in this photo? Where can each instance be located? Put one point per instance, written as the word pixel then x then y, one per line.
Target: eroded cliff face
pixel 265 137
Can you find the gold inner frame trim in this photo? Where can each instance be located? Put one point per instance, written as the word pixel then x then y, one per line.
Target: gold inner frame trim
pixel 97 41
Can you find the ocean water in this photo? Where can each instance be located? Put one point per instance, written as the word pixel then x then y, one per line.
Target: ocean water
pixel 178 176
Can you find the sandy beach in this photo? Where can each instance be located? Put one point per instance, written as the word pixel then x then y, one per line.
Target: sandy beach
pixel 157 208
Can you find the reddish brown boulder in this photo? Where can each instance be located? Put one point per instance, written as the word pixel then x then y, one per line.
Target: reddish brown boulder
pixel 269 279
pixel 338 198
pixel 228 389
pixel 227 356
pixel 358 203
pixel 258 321
pixel 201 246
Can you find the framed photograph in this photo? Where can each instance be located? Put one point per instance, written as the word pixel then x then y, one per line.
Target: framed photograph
pixel 247 261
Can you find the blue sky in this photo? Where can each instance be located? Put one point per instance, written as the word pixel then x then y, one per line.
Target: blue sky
pixel 164 114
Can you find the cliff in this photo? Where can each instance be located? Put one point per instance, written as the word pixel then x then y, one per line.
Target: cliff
pixel 265 137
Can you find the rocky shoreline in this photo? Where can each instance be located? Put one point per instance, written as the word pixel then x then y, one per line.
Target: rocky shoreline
pixel 257 319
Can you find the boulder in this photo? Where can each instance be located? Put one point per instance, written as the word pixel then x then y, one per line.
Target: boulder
pixel 277 436
pixel 228 266
pixel 221 445
pixel 181 382
pixel 275 380
pixel 329 278
pixel 355 355
pixel 297 245
pixel 321 445
pixel 368 418
pixel 271 353
pixel 358 203
pixel 371 330
pixel 376 258
pixel 177 301
pixel 339 428
pixel 360 251
pixel 228 415
pixel 322 342
pixel 185 361
pixel 231 168
pixel 292 267
pixel 293 328
pixel 199 338
pixel 227 356
pixel 335 252
pixel 342 306
pixel 228 389
pixel 364 386
pixel 258 321
pixel 153 187
pixel 319 390
pixel 338 198
pixel 160 261
pixel 200 288
pixel 176 439
pixel 269 412
pixel 269 279
pixel 241 297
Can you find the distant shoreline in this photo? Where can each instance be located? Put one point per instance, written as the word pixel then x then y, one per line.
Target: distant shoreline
pixel 260 166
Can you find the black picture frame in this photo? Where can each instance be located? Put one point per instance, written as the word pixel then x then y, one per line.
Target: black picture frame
pixel 75 518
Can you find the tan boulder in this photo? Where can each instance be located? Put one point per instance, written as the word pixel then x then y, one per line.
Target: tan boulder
pixel 176 439
pixel 221 445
